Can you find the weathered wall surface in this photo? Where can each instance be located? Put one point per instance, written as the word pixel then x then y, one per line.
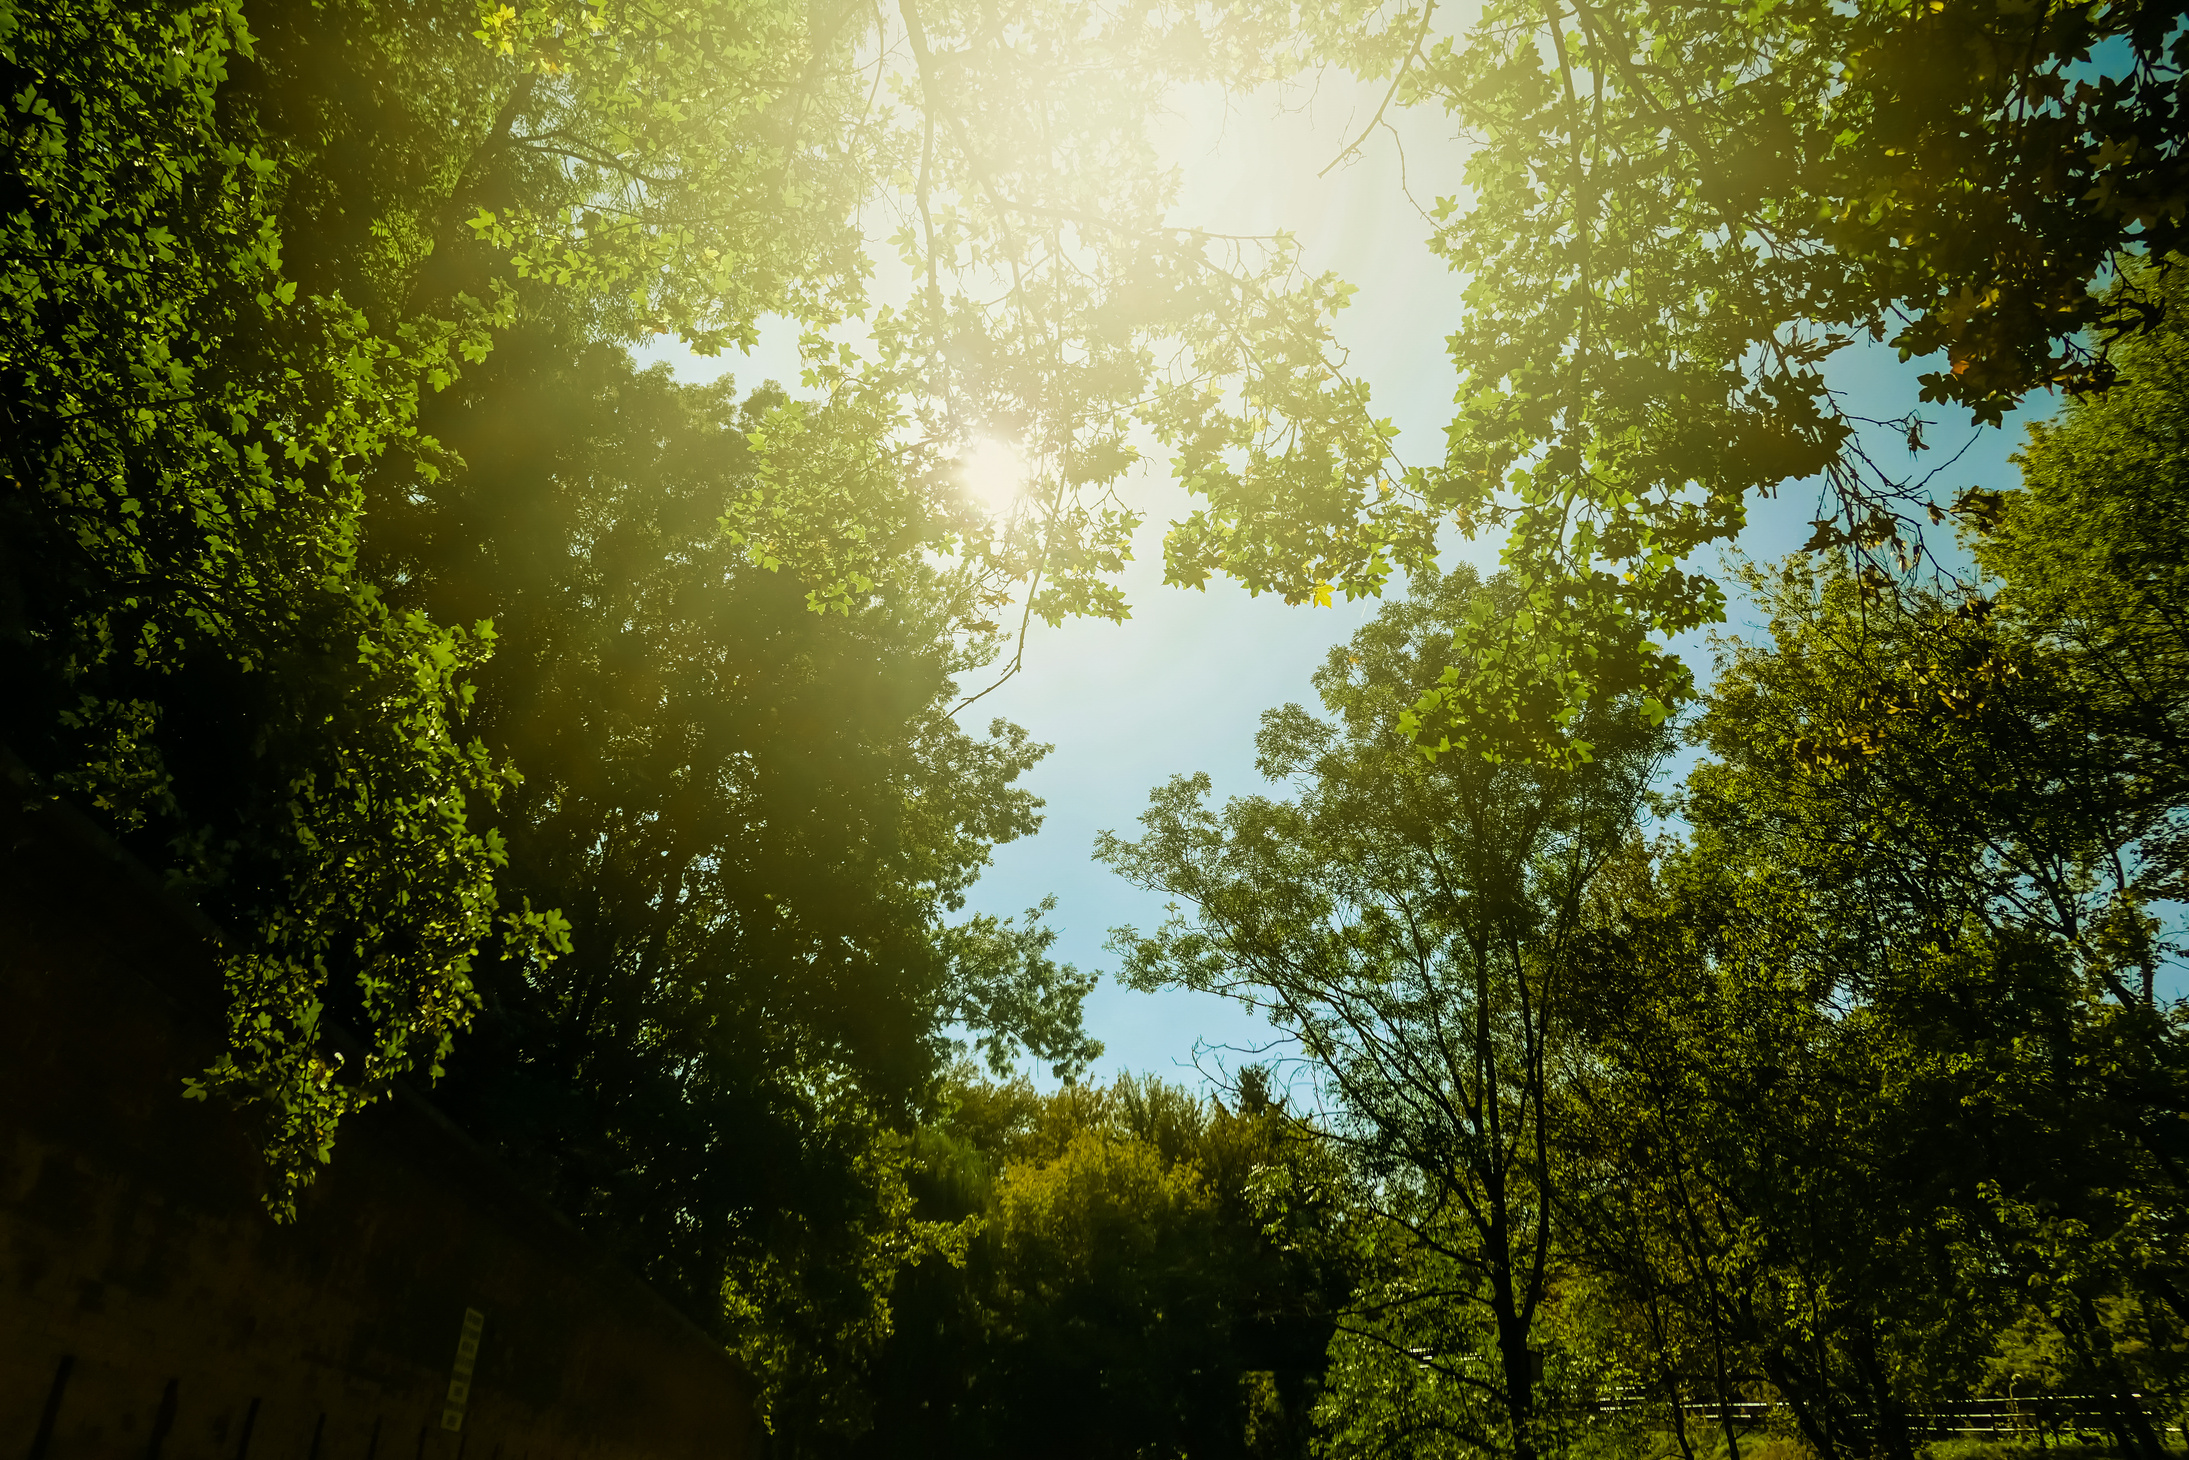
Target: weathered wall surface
pixel 149 1308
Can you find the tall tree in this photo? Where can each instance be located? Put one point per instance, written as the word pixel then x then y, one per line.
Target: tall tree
pixel 1969 809
pixel 758 824
pixel 1410 921
pixel 1882 1085
pixel 191 647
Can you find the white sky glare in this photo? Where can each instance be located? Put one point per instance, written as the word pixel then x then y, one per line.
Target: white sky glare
pixel 995 472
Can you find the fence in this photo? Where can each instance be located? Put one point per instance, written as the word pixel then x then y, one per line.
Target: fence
pixel 2030 1418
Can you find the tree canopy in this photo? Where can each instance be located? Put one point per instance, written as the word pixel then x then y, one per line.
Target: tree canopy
pixel 529 719
pixel 1676 220
pixel 1852 1094
pixel 316 343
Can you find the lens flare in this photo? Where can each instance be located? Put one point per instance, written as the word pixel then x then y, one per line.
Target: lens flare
pixel 995 472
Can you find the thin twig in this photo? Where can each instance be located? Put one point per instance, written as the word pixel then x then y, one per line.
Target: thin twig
pixel 1413 54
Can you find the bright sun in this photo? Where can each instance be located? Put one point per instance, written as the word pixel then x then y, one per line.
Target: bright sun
pixel 995 472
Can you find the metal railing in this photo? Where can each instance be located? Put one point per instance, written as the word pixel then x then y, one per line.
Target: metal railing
pixel 2026 1417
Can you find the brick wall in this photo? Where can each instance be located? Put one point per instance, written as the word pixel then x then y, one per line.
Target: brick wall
pixel 149 1308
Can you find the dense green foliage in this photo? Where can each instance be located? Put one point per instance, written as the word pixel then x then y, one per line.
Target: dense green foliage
pixel 191 645
pixel 314 343
pixel 1864 1094
pixel 756 821
pixel 1154 1275
pixel 480 683
pixel 253 251
pixel 1676 218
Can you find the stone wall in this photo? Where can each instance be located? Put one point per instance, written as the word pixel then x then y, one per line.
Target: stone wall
pixel 149 1307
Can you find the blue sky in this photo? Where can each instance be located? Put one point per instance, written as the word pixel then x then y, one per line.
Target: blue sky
pixel 1180 687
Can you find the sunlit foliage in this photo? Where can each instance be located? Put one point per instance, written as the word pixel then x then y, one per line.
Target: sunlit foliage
pixel 1154 1275
pixel 1854 1094
pixel 1675 221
